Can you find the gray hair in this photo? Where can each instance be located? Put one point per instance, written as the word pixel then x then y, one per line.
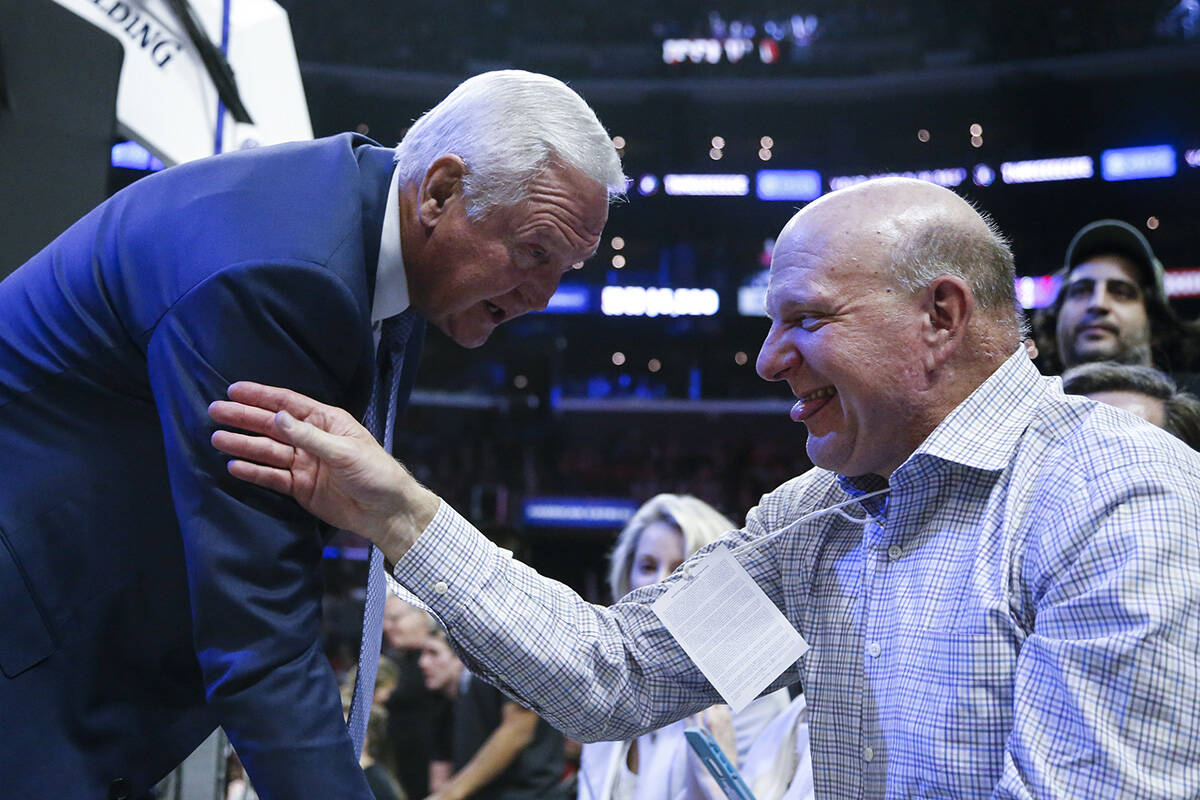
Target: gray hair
pixel 980 256
pixel 508 126
pixel 699 523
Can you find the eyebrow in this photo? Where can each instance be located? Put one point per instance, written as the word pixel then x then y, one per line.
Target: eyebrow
pixel 558 234
pixel 1106 281
pixel 808 305
pixel 554 240
pixel 588 257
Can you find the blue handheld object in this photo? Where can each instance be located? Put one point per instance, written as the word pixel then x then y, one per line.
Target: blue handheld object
pixel 720 767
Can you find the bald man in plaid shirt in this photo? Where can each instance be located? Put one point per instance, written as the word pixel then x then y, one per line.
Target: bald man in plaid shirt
pixel 1019 617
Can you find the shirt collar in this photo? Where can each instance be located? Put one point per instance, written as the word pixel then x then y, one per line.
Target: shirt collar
pixel 391 281
pixel 865 484
pixel 983 431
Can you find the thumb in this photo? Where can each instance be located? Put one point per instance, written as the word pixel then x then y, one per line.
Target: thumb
pixel 307 436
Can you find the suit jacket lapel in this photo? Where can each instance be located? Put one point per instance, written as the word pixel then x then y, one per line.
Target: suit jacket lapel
pixel 375 165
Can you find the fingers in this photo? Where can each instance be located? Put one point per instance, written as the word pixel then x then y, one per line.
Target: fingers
pixel 239 415
pixel 275 398
pixel 279 480
pixel 254 448
pixel 281 435
pixel 325 446
pixel 252 406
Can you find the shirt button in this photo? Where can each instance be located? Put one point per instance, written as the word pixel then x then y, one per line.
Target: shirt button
pixel 441 587
pixel 868 754
pixel 894 552
pixel 874 649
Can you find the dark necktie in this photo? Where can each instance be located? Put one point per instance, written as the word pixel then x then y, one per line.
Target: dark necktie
pixel 380 420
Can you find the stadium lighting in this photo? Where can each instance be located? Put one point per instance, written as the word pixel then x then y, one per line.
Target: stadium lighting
pixel 787 184
pixel 707 185
pixel 1136 163
pixel 1047 169
pixel 949 177
pixel 643 301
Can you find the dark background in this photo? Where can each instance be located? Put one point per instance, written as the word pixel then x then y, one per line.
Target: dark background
pixel 542 409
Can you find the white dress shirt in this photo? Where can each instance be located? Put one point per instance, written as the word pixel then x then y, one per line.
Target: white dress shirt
pixel 391 281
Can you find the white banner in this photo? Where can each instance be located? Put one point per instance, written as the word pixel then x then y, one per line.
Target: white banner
pixel 166 100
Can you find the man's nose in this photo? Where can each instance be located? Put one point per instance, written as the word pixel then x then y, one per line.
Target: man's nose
pixel 775 358
pixel 539 290
pixel 1100 298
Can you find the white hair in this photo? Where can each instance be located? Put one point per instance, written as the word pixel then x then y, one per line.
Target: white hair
pixel 697 521
pixel 508 126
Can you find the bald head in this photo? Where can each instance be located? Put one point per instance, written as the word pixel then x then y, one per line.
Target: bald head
pixel 920 231
pixel 892 204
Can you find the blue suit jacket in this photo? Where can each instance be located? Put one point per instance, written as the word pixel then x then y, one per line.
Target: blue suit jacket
pixel 145 595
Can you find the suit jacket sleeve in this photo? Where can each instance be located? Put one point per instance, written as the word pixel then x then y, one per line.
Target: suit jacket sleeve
pixel 253 556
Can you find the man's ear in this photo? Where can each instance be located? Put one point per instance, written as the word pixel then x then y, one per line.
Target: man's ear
pixel 442 184
pixel 949 304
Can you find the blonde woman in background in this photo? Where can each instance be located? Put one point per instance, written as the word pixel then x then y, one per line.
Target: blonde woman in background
pixel 660 765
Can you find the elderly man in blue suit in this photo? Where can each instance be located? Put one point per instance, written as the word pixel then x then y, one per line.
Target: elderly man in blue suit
pixel 145 595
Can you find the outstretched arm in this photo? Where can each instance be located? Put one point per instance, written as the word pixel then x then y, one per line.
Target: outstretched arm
pixel 326 460
pixel 590 671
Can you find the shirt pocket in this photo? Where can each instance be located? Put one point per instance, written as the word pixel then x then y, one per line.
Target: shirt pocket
pixel 956 710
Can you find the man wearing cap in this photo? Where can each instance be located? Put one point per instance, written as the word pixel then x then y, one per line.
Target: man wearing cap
pixel 1113 305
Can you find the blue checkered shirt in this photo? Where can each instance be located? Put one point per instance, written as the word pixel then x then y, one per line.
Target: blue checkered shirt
pixel 1020 618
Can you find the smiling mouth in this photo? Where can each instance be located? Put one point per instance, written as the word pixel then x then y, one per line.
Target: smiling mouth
pixel 811 403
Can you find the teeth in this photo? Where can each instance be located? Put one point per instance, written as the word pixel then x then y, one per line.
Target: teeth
pixel 828 391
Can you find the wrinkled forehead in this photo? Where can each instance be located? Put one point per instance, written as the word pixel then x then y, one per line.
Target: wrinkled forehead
pixel 566 205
